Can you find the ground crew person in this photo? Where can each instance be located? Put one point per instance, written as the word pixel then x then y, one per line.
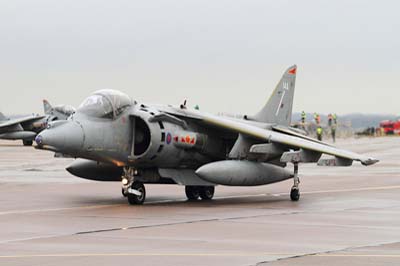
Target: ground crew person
pixel 330 117
pixel 319 133
pixel 334 118
pixel 333 132
pixel 303 117
pixel 317 118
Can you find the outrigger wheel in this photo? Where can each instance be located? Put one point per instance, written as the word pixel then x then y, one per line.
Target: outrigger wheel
pixel 138 195
pixel 294 194
pixel 295 191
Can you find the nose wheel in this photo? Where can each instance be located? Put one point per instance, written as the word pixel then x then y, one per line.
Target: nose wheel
pixel 295 191
pixel 136 193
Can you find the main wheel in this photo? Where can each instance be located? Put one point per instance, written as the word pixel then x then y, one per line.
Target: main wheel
pixel 135 199
pixel 192 192
pixel 207 193
pixel 27 142
pixel 294 194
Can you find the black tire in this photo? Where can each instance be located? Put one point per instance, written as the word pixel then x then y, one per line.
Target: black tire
pixel 134 199
pixel 294 194
pixel 207 193
pixel 192 192
pixel 123 192
pixel 27 142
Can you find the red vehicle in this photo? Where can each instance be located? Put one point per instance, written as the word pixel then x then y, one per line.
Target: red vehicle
pixel 396 127
pixel 390 127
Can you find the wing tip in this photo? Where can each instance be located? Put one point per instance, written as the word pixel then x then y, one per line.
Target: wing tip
pixel 369 161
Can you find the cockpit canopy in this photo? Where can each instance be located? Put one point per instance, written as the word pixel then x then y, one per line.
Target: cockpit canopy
pixel 67 110
pixel 105 104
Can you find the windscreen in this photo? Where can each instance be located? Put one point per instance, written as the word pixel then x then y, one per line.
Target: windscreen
pixel 96 106
pixel 105 104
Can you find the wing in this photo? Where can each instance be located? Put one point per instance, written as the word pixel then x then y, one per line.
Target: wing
pixel 21 120
pixel 279 137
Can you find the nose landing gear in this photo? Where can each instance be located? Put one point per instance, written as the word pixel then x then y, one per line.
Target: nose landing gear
pixel 133 190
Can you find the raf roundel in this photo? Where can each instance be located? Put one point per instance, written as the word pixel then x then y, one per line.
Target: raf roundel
pixel 169 138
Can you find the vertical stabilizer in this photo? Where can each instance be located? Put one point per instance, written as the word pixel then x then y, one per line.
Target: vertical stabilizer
pixel 2 117
pixel 278 109
pixel 47 107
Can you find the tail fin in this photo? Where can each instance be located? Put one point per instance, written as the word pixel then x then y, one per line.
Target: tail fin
pixel 2 117
pixel 278 109
pixel 47 107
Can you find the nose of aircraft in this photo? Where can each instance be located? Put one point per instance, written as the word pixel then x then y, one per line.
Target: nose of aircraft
pixel 61 136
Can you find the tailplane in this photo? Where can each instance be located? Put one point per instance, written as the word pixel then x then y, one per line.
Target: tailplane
pixel 278 109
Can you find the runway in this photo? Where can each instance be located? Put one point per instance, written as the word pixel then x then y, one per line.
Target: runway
pixel 346 216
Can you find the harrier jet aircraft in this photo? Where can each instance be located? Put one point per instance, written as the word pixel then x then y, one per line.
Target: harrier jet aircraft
pixel 136 143
pixel 27 127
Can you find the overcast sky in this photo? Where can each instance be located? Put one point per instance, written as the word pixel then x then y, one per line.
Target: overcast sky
pixel 223 55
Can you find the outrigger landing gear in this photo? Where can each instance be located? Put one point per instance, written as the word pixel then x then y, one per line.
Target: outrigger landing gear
pixel 295 191
pixel 196 192
pixel 133 190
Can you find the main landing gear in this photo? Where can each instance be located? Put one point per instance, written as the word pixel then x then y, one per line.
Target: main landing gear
pixel 196 192
pixel 295 191
pixel 135 191
pixel 27 142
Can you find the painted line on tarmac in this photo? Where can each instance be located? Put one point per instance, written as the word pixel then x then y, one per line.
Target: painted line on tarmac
pixel 184 200
pixel 359 255
pixel 236 254
pixel 60 209
pixel 344 190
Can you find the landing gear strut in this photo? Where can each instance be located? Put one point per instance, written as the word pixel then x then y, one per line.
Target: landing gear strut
pixel 132 189
pixel 196 192
pixel 27 142
pixel 295 191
